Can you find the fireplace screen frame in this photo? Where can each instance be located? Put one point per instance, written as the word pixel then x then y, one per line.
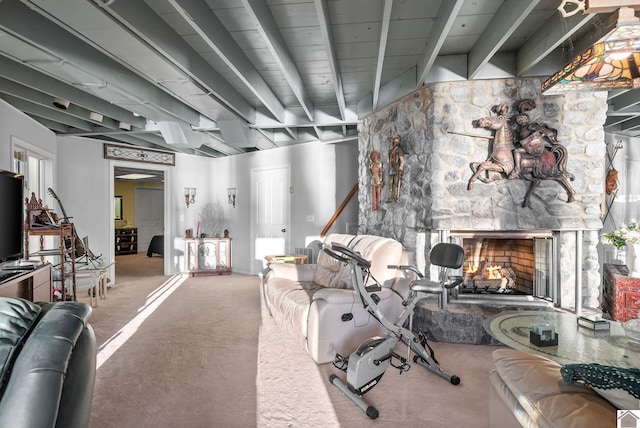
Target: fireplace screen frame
pixel 545 283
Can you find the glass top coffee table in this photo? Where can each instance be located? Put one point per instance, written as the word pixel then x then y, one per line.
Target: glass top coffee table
pixel 575 344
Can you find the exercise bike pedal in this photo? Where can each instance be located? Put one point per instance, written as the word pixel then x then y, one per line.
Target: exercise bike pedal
pixel 341 362
pixel 403 366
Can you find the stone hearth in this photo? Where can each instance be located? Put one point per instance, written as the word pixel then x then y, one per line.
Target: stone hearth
pixel 461 322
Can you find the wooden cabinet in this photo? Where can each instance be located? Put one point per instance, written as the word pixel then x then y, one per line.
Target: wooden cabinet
pixel 34 285
pixel 63 248
pixel 621 293
pixel 126 240
pixel 208 256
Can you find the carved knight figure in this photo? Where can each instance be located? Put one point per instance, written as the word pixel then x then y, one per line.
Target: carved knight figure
pixel 375 166
pixel 396 163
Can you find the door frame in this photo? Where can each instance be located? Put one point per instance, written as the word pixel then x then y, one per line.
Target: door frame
pixel 166 170
pixel 252 232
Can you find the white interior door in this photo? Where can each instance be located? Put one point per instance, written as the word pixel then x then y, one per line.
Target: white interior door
pixel 270 214
pixel 149 215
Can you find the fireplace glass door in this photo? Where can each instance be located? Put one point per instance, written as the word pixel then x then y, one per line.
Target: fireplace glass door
pixel 543 281
pixel 514 263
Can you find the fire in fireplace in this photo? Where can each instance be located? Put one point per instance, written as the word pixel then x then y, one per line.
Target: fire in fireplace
pixel 516 263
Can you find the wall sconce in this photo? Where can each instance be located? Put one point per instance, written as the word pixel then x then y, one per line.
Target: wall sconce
pixel 189 195
pixel 231 194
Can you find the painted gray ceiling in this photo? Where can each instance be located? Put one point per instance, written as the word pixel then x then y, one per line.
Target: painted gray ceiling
pixel 223 77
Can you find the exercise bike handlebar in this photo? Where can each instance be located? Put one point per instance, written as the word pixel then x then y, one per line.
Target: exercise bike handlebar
pixel 346 255
pixel 407 267
pixel 453 281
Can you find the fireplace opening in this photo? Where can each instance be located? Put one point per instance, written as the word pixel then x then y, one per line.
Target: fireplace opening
pixel 507 263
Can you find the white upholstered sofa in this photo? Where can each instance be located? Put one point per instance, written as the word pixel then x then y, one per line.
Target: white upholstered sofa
pixel 317 304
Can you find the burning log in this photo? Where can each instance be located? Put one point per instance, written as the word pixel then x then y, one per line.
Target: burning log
pixel 490 278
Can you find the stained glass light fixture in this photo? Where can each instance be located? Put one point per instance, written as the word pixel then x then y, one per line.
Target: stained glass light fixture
pixel 612 63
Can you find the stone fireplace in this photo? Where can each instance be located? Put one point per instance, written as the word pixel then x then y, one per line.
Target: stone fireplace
pixel 434 204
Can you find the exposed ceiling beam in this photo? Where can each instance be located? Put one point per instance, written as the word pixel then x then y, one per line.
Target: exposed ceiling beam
pixel 19 91
pixel 628 99
pixel 31 26
pixel 51 124
pixel 31 78
pixel 552 34
pixel 630 124
pixel 146 24
pixel 144 139
pixel 325 28
pixel 135 140
pixel 268 29
pixel 613 112
pixel 441 26
pixel 208 151
pixel 46 113
pixel 616 120
pixel 382 46
pixel 506 20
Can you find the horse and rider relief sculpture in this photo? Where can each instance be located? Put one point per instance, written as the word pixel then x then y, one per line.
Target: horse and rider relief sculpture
pixel 533 155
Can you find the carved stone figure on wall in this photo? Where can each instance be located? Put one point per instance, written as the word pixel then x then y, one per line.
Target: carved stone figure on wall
pixel 396 165
pixel 537 157
pixel 375 166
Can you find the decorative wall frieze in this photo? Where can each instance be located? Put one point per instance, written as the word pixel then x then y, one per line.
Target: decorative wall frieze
pixel 118 152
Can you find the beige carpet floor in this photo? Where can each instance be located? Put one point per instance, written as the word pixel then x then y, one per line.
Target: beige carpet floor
pixel 203 352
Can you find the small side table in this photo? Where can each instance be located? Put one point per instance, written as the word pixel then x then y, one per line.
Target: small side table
pixel 295 259
pixel 98 275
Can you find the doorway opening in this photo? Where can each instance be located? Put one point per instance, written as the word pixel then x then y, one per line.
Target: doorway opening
pixel 141 216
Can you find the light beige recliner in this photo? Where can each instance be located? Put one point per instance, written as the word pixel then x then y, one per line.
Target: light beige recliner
pixel 317 305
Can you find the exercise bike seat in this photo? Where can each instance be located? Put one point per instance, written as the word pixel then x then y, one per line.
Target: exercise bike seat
pixel 445 256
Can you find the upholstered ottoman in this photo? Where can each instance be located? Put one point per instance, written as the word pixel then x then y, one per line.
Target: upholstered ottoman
pixel 528 390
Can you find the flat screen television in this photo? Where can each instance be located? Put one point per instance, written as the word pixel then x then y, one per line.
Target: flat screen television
pixel 11 216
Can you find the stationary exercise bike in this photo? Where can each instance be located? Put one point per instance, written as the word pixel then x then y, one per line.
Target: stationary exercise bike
pixel 366 365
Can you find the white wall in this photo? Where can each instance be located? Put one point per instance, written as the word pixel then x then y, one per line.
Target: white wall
pixel 18 127
pixel 319 186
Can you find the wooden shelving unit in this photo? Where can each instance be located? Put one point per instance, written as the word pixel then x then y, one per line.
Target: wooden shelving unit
pixel 126 240
pixel 64 237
